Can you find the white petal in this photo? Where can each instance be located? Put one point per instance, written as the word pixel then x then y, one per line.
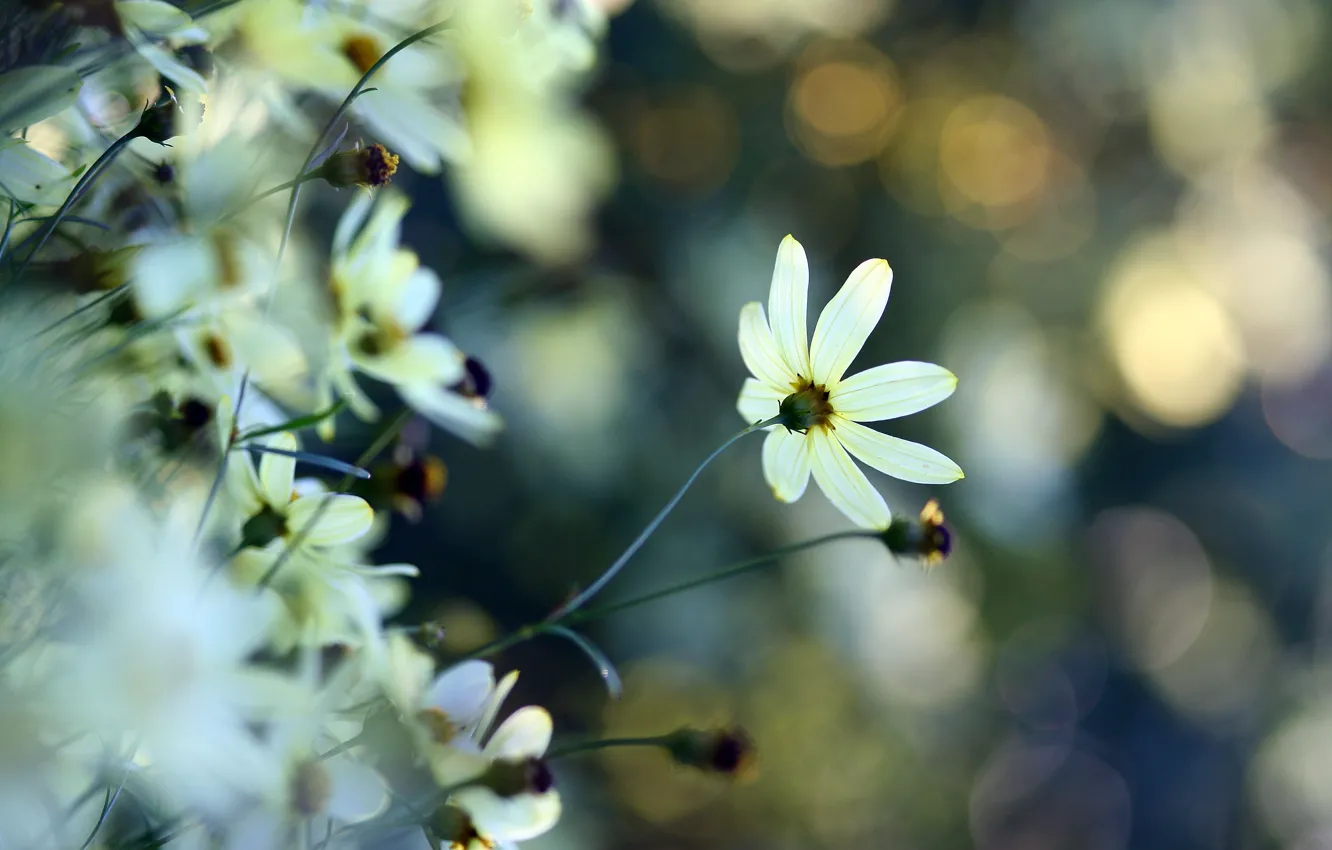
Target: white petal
pixel 351 392
pixel 358 793
pixel 353 219
pixel 788 301
pixel 892 390
pixel 452 412
pixel 786 463
pixel 276 472
pixel 525 734
pixel 758 401
pixel 517 818
pixel 846 322
pixel 35 93
pixel 492 707
pixel 425 358
pixel 29 176
pixel 844 484
pixel 760 351
pixel 243 482
pixel 417 300
pixel 344 519
pixel 461 691
pixel 899 458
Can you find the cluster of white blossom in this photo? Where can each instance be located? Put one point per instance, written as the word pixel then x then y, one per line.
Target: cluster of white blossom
pixel 192 638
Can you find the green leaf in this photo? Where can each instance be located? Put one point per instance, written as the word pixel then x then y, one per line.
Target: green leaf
pixel 296 424
pixel 29 95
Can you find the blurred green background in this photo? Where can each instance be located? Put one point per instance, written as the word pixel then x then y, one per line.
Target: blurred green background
pixel 1109 218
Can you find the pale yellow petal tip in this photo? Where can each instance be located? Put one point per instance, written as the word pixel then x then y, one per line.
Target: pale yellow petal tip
pixel 782 497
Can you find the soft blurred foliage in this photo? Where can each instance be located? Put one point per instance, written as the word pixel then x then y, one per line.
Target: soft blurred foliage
pixel 1108 217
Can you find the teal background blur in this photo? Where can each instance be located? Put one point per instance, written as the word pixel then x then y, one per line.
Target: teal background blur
pixel 1109 218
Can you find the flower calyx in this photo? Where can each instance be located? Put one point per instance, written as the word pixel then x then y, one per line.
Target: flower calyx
pixel 727 752
pixel 805 408
pixel 927 537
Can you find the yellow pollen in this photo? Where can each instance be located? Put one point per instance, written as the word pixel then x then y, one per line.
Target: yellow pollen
pixel 441 728
pixel 362 51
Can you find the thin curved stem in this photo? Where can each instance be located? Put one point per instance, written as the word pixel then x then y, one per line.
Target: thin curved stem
pixel 593 589
pixel 588 614
pixel 607 743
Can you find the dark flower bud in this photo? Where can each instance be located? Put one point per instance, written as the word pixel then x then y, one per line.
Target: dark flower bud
pixel 803 410
pixel 510 778
pixel 728 752
pixel 372 166
pixel 926 538
pixel 164 172
pixel 476 382
pixel 163 119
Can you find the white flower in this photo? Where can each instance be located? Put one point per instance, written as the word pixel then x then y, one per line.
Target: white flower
pixel 383 298
pixel 804 379
pixel 156 660
pixel 314 788
pixel 278 516
pixel 522 738
pixel 538 165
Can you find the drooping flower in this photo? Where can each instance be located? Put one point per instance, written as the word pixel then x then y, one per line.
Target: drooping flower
pixel 803 381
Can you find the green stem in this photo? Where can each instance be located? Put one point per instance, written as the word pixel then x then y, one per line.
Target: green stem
pixel 593 589
pixel 74 194
pixel 584 615
pixel 290 184
pixel 607 743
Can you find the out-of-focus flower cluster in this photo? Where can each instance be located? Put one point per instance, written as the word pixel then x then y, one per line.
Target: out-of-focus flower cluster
pixel 192 639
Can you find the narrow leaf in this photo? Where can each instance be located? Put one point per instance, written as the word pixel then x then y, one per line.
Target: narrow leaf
pixel 312 459
pixel 297 424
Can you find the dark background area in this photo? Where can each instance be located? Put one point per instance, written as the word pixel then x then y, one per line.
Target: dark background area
pixel 1109 218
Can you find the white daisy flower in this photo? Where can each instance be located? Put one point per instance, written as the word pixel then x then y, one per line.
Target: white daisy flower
pixel 383 298
pixel 277 516
pixel 803 380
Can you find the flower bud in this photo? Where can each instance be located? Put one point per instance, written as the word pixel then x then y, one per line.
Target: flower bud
pixel 926 538
pixel 163 119
pixel 372 166
pixel 728 752
pixel 476 383
pixel 508 778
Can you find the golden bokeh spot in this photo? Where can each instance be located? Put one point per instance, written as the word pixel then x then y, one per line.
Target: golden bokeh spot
pixel 844 104
pixel 1178 351
pixel 689 141
pixel 362 50
pixel 994 153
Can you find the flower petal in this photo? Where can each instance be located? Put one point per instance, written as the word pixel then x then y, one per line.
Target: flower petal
pixel 899 458
pixel 892 390
pixel 344 519
pixel 425 358
pixel 758 401
pixel 357 792
pixel 846 322
pixel 417 300
pixel 474 423
pixel 788 301
pixel 277 472
pixel 844 484
pixel 525 734
pixel 760 351
pixel 461 691
pixel 786 463
pixel 492 707
pixel 517 818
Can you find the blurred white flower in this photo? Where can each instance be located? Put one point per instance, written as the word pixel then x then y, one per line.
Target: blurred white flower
pixel 803 381
pixel 383 297
pixel 538 164
pixel 157 658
